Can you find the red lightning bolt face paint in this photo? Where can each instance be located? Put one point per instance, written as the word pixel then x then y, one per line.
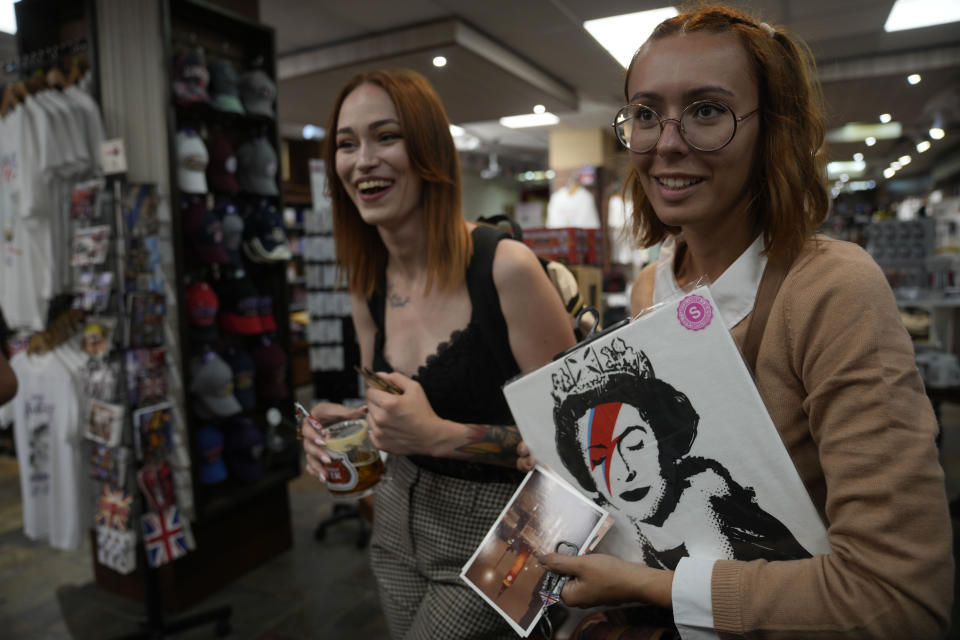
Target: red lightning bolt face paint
pixel 603 419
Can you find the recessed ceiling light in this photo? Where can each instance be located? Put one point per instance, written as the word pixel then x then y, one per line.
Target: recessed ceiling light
pixel 889 173
pixel 896 166
pixel 923 145
pixel 8 17
pixel 885 118
pixel 914 14
pixel 529 120
pixel 914 78
pixel 857 131
pixel 313 132
pixel 622 35
pixel 838 169
pixel 858 157
pixel 439 61
pixel 905 160
pixel 936 133
pixel 870 141
pixel 539 108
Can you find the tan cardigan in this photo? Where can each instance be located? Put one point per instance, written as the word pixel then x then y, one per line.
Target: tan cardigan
pixel 836 370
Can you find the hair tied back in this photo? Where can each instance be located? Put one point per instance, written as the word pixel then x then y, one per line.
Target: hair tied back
pixel 768 29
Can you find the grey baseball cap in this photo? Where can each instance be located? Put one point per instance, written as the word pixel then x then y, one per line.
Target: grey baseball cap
pixel 212 385
pixel 223 86
pixel 258 91
pixel 257 167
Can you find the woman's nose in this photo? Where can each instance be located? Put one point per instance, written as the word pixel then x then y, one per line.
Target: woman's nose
pixel 368 156
pixel 671 138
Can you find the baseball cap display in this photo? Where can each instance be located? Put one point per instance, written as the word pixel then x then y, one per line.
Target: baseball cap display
pixel 204 232
pixel 210 446
pixel 265 304
pixel 264 237
pixel 202 304
pixel 243 450
pixel 192 161
pixel 240 307
pixel 232 225
pixel 223 87
pixel 257 167
pixel 190 77
pixel 258 91
pixel 271 370
pixel 243 374
pixel 222 168
pixel 212 386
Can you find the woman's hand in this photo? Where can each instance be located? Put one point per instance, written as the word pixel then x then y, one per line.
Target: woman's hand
pixel 598 579
pixel 525 461
pixel 403 424
pixel 313 444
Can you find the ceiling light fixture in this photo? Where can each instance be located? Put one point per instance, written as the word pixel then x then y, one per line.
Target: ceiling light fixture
pixel 914 14
pixel 622 35
pixel 8 18
pixel 914 78
pixel 439 61
pixel 870 141
pixel 529 120
pixel 313 132
pixel 539 108
pixel 858 157
pixel 905 160
pixel 896 166
pixel 836 170
pixel 936 133
pixel 885 118
pixel 923 145
pixel 857 131
pixel 889 173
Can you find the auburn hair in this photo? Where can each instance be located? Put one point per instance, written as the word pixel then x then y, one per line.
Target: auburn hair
pixel 361 254
pixel 789 199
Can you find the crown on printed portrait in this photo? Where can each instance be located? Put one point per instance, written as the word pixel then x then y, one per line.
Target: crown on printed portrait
pixel 589 369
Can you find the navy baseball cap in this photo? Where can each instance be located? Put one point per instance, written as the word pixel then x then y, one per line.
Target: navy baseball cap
pixel 243 375
pixel 264 237
pixel 243 449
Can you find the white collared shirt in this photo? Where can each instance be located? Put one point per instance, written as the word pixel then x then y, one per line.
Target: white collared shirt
pixel 734 292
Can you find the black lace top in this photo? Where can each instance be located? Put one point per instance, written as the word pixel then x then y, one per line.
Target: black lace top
pixel 463 380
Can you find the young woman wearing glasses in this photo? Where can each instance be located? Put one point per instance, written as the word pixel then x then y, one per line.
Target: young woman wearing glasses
pixel 725 135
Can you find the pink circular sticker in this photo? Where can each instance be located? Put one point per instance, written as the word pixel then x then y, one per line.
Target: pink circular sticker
pixel 695 313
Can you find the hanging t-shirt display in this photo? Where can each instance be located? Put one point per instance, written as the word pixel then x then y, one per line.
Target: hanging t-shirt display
pixel 47 422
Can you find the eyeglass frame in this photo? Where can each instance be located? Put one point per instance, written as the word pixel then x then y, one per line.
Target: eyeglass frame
pixel 736 121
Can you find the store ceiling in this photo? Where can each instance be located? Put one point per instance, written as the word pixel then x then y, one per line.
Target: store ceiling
pixel 504 56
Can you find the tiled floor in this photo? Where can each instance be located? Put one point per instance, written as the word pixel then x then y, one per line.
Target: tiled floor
pixel 317 590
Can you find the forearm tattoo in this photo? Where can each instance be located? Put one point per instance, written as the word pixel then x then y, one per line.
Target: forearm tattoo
pixel 492 444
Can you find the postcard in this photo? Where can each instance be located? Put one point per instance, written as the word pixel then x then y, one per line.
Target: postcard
pixel 545 515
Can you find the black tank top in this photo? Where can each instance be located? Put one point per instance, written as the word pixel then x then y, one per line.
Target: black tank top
pixel 463 380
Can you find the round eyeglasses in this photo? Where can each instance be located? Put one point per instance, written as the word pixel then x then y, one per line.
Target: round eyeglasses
pixel 706 125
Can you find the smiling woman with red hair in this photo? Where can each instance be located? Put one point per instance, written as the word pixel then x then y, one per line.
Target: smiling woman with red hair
pixel 447 311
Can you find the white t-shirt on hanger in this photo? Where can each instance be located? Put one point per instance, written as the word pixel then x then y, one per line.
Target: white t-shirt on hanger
pixel 54 489
pixel 572 208
pixel 26 277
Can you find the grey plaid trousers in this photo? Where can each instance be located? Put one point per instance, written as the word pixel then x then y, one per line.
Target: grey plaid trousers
pixel 425 528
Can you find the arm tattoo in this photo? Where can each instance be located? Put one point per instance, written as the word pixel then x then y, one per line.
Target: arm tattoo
pixel 395 299
pixel 492 444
